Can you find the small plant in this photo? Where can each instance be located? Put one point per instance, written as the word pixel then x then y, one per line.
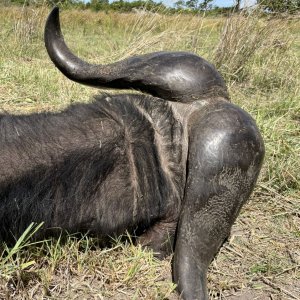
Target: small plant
pixel 10 260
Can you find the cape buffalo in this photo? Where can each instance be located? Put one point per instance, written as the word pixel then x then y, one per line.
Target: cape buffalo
pixel 172 165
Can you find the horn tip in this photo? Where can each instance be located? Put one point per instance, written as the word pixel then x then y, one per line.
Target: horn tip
pixel 54 14
pixel 55 10
pixel 52 22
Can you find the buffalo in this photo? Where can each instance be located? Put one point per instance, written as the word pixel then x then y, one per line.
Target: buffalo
pixel 172 165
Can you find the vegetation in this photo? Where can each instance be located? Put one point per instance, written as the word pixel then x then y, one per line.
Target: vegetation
pixel 189 7
pixel 281 6
pixel 259 58
pixel 181 6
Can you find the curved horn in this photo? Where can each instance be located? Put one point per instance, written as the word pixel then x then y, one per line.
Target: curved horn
pixel 176 76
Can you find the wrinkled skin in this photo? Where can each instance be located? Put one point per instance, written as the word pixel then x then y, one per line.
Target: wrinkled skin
pixel 174 169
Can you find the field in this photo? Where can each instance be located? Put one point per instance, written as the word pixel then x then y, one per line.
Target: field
pixel 260 60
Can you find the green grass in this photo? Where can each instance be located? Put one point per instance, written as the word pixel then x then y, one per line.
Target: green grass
pixel 262 255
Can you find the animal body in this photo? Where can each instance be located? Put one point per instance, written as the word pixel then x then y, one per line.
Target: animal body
pixel 173 166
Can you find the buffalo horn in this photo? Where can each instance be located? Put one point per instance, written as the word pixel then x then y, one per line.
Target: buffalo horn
pixel 175 76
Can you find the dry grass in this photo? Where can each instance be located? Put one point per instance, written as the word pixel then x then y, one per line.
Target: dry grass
pixel 260 60
pixel 80 270
pixel 245 39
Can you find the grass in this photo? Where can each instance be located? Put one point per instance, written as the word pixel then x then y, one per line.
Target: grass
pixel 259 59
pixel 79 269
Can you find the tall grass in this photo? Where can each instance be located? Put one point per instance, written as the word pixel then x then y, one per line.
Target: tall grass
pixel 259 59
pixel 246 41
